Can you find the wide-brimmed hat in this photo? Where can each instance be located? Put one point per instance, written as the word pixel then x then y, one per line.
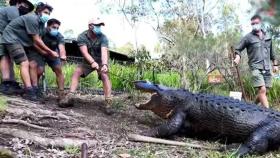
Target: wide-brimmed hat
pixel 96 21
pixel 30 5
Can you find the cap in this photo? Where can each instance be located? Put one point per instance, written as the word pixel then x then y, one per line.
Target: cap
pixel 96 21
pixel 30 5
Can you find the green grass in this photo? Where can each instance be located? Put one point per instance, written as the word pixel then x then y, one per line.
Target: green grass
pixel 121 77
pixel 73 150
pixel 3 104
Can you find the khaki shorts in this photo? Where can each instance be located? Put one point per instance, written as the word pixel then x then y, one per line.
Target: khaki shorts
pixel 34 55
pixel 3 50
pixel 87 69
pixel 16 52
pixel 261 78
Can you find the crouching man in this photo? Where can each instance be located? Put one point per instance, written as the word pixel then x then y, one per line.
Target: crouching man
pixel 55 41
pixel 93 45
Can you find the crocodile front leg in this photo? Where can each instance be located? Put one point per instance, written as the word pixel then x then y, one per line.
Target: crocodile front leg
pixel 169 128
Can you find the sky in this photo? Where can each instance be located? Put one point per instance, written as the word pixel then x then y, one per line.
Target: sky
pixel 74 14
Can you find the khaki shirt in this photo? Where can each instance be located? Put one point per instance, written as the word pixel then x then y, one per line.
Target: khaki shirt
pixel 20 30
pixel 93 46
pixel 7 14
pixel 259 51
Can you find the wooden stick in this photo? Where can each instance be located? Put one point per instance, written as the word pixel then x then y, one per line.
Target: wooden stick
pixel 84 151
pixel 21 122
pixel 239 76
pixel 140 138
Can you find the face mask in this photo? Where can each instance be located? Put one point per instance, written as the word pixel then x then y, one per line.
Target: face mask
pixel 256 27
pixel 97 30
pixel 23 10
pixel 54 32
pixel 44 18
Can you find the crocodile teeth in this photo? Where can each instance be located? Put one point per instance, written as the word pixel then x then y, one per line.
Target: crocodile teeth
pixel 137 105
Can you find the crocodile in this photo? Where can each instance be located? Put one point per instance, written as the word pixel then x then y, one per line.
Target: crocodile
pixel 255 127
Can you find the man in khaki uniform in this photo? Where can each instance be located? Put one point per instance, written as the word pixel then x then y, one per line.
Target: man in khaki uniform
pixel 22 33
pixel 262 60
pixel 93 45
pixel 7 14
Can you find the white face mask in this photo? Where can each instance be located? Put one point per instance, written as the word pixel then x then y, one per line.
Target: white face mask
pixel 256 27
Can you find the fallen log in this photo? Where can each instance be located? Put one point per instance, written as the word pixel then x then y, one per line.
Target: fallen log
pixel 47 142
pixel 140 138
pixel 21 122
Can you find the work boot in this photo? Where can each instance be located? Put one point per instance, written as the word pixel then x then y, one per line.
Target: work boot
pixel 61 94
pixel 11 88
pixel 108 106
pixel 4 86
pixel 29 94
pixel 67 100
pixel 16 88
pixel 38 92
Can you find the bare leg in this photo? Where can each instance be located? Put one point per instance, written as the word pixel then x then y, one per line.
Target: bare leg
pixel 262 96
pixel 40 71
pixel 59 77
pixel 75 79
pixel 107 87
pixel 7 69
pixel 24 72
pixel 33 73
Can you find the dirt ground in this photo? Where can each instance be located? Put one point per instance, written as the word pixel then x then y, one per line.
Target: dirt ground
pixel 105 135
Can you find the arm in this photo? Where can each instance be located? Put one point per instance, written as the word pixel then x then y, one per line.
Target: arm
pixel 273 59
pixel 104 59
pixel 41 51
pixel 104 54
pixel 88 57
pixel 61 47
pixel 239 48
pixel 62 51
pixel 38 43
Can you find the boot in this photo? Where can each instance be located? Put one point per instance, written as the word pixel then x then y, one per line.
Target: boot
pixel 29 94
pixel 108 106
pixel 66 101
pixel 4 87
pixel 61 95
pixel 16 88
pixel 39 94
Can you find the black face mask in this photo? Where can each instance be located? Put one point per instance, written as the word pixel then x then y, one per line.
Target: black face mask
pixel 23 10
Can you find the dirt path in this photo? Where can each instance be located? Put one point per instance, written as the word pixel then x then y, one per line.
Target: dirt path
pixel 44 130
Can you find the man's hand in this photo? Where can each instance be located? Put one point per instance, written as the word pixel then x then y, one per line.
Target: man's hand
pixel 94 65
pixel 63 60
pixel 104 68
pixel 237 59
pixel 54 54
pixel 275 69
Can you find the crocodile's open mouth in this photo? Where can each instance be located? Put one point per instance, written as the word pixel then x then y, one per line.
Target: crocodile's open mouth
pixel 155 102
pixel 144 104
pixel 156 105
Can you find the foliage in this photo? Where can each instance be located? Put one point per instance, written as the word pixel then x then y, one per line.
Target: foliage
pixel 3 104
pixel 73 150
pixel 121 76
